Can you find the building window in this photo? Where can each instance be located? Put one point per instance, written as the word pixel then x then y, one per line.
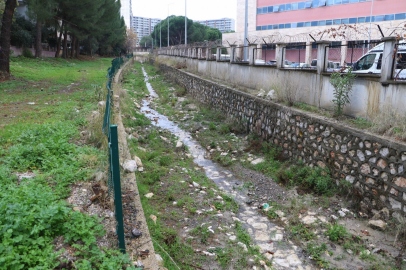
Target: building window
pixel 287 25
pixel 294 6
pixel 301 5
pixel 322 23
pixel 264 27
pixel 269 27
pixel 281 26
pixel 353 1
pixel 336 21
pixel 389 17
pixel 379 18
pixel 275 26
pixel 315 3
pixel 329 22
pixel 275 8
pixel 259 10
pixel 288 7
pixel 345 1
pixel 337 2
pixel 270 9
pixel 307 24
pixel 264 9
pixel 281 7
pixel 322 3
pixel 308 4
pixel 330 2
pixel 300 24
pixel 352 20
pixel 361 19
pixel 400 16
pixel 293 25
pixel 258 28
pixel 314 23
pixel 344 21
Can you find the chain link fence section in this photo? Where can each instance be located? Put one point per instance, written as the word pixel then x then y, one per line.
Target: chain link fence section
pixel 294 56
pixel 341 56
pixel 265 55
pixel 239 54
pixel 399 56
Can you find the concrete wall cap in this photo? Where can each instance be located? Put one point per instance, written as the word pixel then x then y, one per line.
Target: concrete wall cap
pixel 323 42
pixel 390 38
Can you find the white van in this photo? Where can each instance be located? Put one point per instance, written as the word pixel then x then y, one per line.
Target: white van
pixel 371 62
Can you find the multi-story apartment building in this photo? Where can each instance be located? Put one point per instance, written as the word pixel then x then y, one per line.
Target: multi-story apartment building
pixel 224 24
pixel 143 26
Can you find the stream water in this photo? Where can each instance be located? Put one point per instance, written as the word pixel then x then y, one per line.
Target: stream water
pixel 268 236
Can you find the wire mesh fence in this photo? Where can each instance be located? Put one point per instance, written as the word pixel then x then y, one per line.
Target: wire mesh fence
pixel 240 54
pixel 225 53
pixel 340 56
pixel 299 56
pixel 268 55
pixel 114 184
pixel 399 66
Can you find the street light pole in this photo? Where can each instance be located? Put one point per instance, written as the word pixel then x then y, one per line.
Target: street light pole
pixel 246 31
pixel 185 25
pixel 370 22
pixel 160 35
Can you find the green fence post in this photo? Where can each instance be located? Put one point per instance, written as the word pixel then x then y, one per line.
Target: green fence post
pixel 117 186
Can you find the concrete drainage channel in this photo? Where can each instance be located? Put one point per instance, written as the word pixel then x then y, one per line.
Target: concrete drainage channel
pixel 268 236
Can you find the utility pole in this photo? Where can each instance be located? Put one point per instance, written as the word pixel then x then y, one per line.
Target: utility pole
pixel 160 35
pixel 370 23
pixel 168 22
pixel 246 32
pixel 185 25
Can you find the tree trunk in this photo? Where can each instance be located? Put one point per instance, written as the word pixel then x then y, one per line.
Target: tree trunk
pixel 77 48
pixel 72 45
pixel 65 44
pixel 5 36
pixel 38 45
pixel 58 43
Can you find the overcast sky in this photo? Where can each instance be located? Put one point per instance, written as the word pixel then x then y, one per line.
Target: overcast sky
pixel 196 9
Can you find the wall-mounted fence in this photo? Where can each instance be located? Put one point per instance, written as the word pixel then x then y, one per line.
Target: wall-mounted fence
pixel 323 56
pixel 114 184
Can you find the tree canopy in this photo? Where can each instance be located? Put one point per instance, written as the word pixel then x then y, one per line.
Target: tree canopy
pixel 196 32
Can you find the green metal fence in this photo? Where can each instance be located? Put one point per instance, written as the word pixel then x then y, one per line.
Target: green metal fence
pixel 114 184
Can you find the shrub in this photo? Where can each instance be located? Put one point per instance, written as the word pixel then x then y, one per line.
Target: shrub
pixel 27 53
pixel 342 84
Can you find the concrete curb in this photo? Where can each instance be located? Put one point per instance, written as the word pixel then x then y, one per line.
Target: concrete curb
pixel 129 180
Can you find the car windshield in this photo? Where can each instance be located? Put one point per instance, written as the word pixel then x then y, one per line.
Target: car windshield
pixel 365 62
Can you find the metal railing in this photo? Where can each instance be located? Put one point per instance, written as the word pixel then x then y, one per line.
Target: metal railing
pixel 399 67
pixel 114 184
pixel 341 56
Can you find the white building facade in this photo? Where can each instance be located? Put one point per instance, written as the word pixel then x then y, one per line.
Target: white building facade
pixel 224 24
pixel 143 26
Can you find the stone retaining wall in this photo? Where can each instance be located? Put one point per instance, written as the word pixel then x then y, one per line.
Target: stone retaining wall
pixel 372 164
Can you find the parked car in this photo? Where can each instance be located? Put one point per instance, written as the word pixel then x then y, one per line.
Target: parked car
pixel 371 62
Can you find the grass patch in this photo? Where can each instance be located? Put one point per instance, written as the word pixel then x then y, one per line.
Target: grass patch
pixel 44 138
